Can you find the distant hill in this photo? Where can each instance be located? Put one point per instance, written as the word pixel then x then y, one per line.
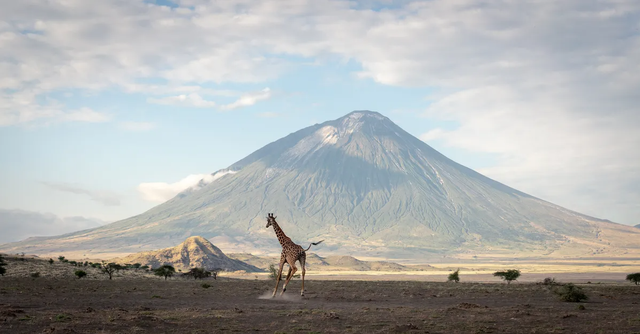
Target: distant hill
pixel 330 263
pixel 638 226
pixel 193 252
pixel 369 189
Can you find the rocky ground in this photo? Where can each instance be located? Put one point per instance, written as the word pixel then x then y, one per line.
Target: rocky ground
pixel 56 302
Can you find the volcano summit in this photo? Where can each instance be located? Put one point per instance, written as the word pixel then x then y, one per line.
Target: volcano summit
pixel 368 188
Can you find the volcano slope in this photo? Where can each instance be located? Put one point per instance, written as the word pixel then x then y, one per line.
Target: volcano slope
pixel 368 188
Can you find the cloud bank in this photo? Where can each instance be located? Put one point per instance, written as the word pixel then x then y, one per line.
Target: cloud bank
pixel 18 225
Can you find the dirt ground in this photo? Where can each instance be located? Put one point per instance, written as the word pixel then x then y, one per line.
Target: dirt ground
pixel 50 305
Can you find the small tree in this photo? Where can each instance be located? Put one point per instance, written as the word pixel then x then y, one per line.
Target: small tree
pixel 509 275
pixel 137 265
pixel 51 261
pixel 61 258
pixel 165 270
pixel 80 273
pixel 215 272
pixel 454 276
pixel 198 273
pixel 108 268
pixel 635 278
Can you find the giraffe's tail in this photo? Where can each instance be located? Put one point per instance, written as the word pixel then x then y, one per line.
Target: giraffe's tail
pixel 313 244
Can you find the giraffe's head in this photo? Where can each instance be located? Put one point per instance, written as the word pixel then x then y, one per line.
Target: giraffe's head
pixel 271 219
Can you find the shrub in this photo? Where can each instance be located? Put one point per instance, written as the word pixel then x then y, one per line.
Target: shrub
pixel 205 285
pixel 80 273
pixel 273 272
pixel 166 271
pixel 35 275
pixel 635 278
pixel 509 275
pixel 137 265
pixel 454 276
pixel 50 261
pixel 549 281
pixel 73 263
pixel 197 273
pixel 61 258
pixel 96 265
pixel 144 267
pixel 571 293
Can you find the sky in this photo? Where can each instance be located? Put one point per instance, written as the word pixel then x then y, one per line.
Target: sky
pixel 108 108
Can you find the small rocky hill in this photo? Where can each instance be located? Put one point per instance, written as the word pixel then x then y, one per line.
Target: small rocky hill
pixel 193 252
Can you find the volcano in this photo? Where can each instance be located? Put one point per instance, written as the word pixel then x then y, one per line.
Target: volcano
pixel 366 187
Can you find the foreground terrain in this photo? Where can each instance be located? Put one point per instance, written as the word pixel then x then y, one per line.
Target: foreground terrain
pixel 145 304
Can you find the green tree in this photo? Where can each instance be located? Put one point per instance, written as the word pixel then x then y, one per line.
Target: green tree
pixel 80 273
pixel 3 270
pixel 454 276
pixel 509 275
pixel 61 258
pixel 108 268
pixel 165 271
pixel 635 278
pixel 273 272
pixel 198 273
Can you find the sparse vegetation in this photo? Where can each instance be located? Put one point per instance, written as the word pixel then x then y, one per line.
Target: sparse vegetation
pixel 35 275
pixel 3 270
pixel 635 278
pixel 454 276
pixel 549 281
pixel 509 275
pixel 109 268
pixel 571 293
pixel 215 272
pixel 273 272
pixel 61 258
pixel 80 273
pixel 165 271
pixel 205 285
pixel 51 261
pixel 197 273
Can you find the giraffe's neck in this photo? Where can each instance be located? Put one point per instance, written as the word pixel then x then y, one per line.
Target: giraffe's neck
pixel 282 238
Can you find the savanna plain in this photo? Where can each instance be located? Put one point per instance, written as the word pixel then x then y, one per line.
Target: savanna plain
pixel 135 301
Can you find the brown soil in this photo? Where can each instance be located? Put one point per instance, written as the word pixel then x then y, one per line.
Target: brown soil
pixel 122 305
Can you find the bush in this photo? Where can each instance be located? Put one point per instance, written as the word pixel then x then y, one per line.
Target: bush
pixel 509 275
pixel 35 275
pixel 61 258
pixel 571 293
pixel 273 272
pixel 205 285
pixel 2 268
pixel 454 276
pixel 80 273
pixel 166 271
pixel 197 273
pixel 549 281
pixel 635 278
pixel 50 261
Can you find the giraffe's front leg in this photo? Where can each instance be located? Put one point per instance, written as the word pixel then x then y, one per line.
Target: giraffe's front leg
pixel 284 288
pixel 278 279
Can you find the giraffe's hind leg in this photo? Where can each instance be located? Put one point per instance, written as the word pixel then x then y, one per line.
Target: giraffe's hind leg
pixel 292 271
pixel 303 259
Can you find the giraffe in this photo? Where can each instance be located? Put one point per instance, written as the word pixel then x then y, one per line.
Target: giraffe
pixel 291 252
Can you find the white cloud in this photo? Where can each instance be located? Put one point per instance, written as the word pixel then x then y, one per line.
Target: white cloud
pixel 18 225
pixel 136 126
pixel 104 197
pixel 84 115
pixel 248 99
pixel 191 100
pixel 162 191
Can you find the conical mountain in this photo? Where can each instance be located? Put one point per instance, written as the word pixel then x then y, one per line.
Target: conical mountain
pixel 368 188
pixel 193 252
